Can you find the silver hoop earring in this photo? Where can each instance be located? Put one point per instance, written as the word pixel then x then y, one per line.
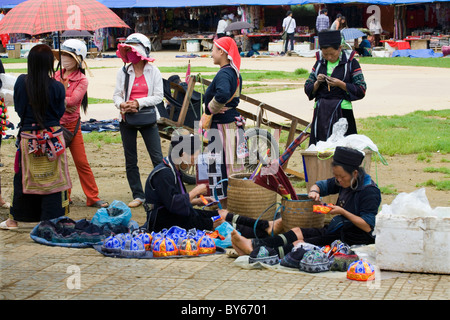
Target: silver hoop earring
pixel 351 184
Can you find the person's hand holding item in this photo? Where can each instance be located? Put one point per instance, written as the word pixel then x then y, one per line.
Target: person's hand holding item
pixel 314 193
pixel 198 190
pixel 335 82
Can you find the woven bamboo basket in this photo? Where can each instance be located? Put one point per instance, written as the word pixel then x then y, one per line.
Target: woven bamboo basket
pixel 299 213
pixel 246 198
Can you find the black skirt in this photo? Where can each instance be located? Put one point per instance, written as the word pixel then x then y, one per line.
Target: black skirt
pixel 35 207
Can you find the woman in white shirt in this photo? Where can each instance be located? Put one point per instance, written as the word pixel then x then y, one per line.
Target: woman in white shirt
pixel 145 88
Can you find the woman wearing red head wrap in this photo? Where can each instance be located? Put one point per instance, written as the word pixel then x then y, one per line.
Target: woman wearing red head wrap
pixel 221 100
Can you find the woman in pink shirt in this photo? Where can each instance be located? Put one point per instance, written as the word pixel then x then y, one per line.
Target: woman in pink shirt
pixel 144 85
pixel 73 54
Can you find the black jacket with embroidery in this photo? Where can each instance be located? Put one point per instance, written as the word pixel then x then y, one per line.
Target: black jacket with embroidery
pixel 348 70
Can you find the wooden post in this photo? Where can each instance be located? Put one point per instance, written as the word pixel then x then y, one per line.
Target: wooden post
pixel 186 101
pixel 290 138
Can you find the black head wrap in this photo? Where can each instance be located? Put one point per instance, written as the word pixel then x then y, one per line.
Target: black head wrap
pixel 329 38
pixel 349 157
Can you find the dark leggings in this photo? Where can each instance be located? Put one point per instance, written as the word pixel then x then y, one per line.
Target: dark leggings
pixel 248 227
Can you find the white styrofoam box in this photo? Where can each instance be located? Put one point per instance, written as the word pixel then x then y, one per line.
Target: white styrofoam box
pixel 275 46
pixel 302 46
pixel 381 54
pixel 192 46
pixel 413 244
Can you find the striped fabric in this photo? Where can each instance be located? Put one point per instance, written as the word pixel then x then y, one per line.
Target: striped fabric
pixel 43 16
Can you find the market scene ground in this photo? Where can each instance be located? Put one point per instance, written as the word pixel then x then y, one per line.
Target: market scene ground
pixel 31 271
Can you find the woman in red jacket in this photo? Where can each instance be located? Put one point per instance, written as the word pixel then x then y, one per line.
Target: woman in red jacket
pixel 73 55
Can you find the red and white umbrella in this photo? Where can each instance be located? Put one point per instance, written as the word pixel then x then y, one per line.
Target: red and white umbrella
pixel 43 16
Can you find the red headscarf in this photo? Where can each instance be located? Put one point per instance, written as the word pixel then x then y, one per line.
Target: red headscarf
pixel 228 45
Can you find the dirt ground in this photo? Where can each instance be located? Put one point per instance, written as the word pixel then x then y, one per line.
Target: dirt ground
pixel 402 173
pixel 389 92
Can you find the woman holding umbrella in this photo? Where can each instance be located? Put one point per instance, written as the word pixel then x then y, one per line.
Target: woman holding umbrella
pixel 41 172
pixel 354 213
pixel 73 56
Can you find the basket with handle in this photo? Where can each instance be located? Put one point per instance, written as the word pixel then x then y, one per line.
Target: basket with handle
pixel 246 198
pixel 299 213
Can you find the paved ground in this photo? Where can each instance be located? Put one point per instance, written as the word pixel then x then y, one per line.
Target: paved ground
pixel 31 271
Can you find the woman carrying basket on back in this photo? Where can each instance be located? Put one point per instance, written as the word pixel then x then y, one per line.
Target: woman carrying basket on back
pixel 41 176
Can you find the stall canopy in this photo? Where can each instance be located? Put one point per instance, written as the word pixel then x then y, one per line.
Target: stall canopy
pixel 7 4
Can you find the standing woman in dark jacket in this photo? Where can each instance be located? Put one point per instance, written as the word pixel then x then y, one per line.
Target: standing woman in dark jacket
pixel 335 81
pixel 221 100
pixel 41 175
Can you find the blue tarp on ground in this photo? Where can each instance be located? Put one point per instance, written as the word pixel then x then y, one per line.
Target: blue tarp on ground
pixel 419 53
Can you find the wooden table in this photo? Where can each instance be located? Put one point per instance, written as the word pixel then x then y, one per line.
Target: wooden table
pixel 418 43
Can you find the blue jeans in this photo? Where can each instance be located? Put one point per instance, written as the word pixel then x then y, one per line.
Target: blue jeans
pixel 152 142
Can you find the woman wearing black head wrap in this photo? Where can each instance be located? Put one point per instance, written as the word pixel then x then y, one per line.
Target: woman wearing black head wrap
pixel 335 81
pixel 355 209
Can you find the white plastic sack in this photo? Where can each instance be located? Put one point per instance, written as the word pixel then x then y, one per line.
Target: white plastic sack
pixel 7 90
pixel 414 204
pixel 8 81
pixel 337 139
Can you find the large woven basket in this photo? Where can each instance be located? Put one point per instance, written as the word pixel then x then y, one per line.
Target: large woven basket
pixel 246 198
pixel 299 213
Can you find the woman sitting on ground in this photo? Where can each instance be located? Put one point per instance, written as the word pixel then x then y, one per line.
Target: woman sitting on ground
pixel 169 204
pixel 355 210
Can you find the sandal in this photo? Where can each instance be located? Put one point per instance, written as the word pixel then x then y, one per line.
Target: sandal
pixel 135 203
pixel 4 226
pixel 6 205
pixel 100 204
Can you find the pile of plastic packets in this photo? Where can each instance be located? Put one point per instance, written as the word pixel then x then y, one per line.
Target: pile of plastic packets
pixel 175 241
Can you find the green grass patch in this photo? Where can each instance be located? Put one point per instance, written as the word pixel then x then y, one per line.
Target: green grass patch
pixel 19 70
pixel 389 189
pixel 100 138
pixel 439 185
pixel 439 170
pixel 98 100
pixel 11 60
pixel 417 132
pixel 404 61
pixel 247 74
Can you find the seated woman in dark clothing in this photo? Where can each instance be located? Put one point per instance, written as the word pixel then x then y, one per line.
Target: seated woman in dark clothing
pixel 355 210
pixel 167 201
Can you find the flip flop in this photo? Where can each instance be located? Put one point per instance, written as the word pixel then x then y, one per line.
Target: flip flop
pixel 6 205
pixel 135 203
pixel 100 204
pixel 4 226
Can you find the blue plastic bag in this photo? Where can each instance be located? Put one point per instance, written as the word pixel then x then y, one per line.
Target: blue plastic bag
pixel 225 230
pixel 117 214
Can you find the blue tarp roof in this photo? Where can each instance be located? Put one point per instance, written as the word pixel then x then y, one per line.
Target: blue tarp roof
pixel 7 4
pixel 201 3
